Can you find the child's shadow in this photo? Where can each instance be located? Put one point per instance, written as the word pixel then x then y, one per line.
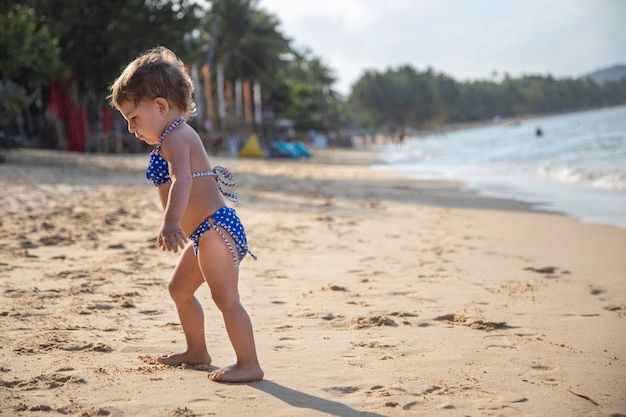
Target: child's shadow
pixel 302 400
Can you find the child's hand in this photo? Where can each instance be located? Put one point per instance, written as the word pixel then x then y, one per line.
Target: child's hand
pixel 171 237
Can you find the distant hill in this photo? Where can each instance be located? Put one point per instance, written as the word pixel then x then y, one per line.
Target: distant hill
pixel 614 73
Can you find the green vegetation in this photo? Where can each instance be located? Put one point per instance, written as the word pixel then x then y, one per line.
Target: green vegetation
pixel 29 56
pixel 404 97
pixel 80 46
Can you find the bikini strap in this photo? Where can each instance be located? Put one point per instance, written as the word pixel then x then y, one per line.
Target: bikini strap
pixel 170 128
pixel 223 177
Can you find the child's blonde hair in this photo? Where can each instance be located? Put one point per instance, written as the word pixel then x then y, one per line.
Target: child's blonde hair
pixel 157 72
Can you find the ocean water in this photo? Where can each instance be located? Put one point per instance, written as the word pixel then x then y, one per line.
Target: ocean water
pixel 577 166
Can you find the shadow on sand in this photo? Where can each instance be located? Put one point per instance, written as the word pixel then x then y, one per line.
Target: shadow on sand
pixel 302 400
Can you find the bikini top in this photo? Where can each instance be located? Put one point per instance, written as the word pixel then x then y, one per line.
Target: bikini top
pixel 158 171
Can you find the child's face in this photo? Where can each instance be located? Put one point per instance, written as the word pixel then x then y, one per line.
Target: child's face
pixel 145 120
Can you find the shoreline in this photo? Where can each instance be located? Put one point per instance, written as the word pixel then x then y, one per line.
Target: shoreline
pixel 432 192
pixel 373 295
pixel 582 189
pixel 444 193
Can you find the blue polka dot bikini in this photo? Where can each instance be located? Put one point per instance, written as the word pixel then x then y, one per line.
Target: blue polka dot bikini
pixel 224 219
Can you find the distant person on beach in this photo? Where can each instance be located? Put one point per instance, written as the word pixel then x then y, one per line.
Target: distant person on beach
pixel 154 94
pixel 400 141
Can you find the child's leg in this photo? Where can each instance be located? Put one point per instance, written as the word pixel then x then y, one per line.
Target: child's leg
pixel 219 272
pixel 184 282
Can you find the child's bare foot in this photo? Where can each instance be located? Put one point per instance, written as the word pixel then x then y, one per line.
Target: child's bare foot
pixel 176 359
pixel 237 373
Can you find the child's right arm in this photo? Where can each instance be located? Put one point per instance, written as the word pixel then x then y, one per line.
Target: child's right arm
pixel 171 235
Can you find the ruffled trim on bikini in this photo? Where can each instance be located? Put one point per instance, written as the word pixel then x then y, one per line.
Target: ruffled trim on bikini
pixel 223 177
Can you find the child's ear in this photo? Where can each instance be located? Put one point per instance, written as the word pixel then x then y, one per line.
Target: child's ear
pixel 162 105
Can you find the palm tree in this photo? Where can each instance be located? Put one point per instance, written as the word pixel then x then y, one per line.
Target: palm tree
pixel 249 43
pixel 250 46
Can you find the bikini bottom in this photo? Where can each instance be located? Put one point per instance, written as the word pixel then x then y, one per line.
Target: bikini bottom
pixel 224 220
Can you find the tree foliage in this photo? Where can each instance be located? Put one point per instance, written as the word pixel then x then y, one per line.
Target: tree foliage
pixel 97 38
pixel 249 43
pixel 296 84
pixel 29 54
pixel 405 97
pixel 310 99
pixel 91 40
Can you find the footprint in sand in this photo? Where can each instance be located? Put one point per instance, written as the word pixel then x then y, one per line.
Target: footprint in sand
pixel 342 390
pixel 619 309
pixel 46 381
pixel 72 347
pixel 13 293
pixel 56 240
pixel 542 270
pixel 365 322
pixel 181 412
pixel 334 287
pixel 100 411
pixel 290 344
pixel 373 345
pixel 100 306
pixel 387 392
pixel 459 319
pixel 541 374
pixel 595 291
pixel 549 271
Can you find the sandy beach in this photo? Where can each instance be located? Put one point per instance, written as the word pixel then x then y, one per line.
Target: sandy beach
pixel 372 295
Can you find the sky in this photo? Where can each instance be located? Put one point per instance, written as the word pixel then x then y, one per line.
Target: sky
pixel 464 39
